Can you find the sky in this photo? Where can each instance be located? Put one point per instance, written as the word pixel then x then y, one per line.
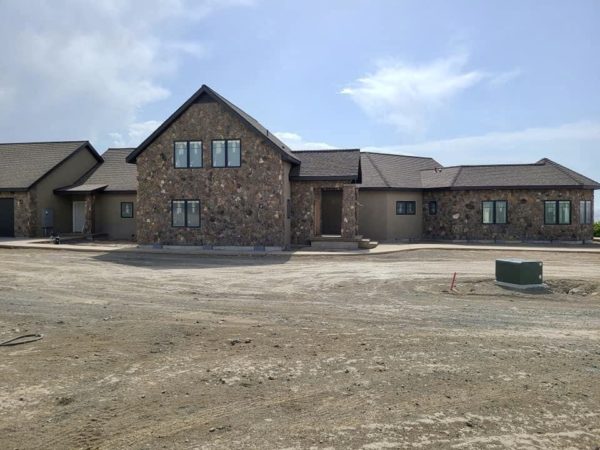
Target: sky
pixel 465 82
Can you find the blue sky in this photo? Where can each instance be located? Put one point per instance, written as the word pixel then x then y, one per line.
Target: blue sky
pixel 465 82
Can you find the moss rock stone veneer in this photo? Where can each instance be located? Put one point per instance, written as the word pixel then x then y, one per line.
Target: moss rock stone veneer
pixel 26 221
pixel 459 215
pixel 242 206
pixel 306 209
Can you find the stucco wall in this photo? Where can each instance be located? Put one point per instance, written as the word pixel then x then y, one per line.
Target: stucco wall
pixel 459 215
pixel 108 216
pixel 378 219
pixel 239 206
pixel 64 175
pixel 24 212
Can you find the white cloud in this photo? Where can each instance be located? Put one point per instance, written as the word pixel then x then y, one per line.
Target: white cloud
pixel 296 142
pixel 83 69
pixel 406 96
pixel 136 133
pixel 506 145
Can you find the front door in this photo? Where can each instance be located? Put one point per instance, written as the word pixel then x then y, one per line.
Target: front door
pixel 331 212
pixel 7 217
pixel 78 217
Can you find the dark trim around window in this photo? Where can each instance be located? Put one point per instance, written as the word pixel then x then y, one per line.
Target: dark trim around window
pixel 494 212
pixel 432 207
pixel 586 210
pixel 557 212
pixel 123 216
pixel 406 207
pixel 226 165
pixel 185 213
pixel 187 150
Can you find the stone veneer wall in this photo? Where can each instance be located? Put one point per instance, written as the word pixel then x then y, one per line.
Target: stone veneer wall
pixel 306 200
pixel 90 214
pixel 459 215
pixel 239 206
pixel 349 211
pixel 25 212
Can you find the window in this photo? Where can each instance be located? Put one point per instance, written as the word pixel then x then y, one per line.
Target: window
pixel 185 213
pixel 586 213
pixel 188 154
pixel 494 212
pixel 195 153
pixel 227 153
pixel 557 212
pixel 432 208
pixel 127 210
pixel 404 208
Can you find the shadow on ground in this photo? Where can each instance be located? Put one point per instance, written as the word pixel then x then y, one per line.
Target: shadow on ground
pixel 159 261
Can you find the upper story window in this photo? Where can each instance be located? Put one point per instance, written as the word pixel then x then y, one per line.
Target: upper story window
pixel 404 208
pixel 227 153
pixel 494 211
pixel 187 154
pixel 557 212
pixel 586 214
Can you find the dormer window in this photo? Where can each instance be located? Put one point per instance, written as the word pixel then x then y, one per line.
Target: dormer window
pixel 187 154
pixel 226 153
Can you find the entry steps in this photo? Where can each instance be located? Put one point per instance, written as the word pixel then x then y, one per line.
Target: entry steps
pixel 336 242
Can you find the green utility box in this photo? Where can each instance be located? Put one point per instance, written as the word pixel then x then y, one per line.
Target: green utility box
pixel 519 273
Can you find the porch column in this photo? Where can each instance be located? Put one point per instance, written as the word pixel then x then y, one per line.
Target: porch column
pixel 316 211
pixel 90 206
pixel 349 211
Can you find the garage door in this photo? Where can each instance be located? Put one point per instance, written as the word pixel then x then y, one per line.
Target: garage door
pixel 7 217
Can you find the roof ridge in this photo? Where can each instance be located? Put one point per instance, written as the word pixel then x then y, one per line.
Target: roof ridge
pixel 395 154
pixel 328 150
pixel 385 181
pixel 45 142
pixel 492 165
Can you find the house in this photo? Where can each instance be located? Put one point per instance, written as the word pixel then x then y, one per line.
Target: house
pixel 212 175
pixel 66 187
pixel 29 175
pixel 107 193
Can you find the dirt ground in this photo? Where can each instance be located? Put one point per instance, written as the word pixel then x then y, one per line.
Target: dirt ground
pixel 160 351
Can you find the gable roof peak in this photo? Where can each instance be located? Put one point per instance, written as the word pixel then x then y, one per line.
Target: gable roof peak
pixel 285 151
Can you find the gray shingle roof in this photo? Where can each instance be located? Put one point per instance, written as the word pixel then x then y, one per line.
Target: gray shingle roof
pixel 23 164
pixel 543 174
pixel 342 164
pixel 113 175
pixel 387 171
pixel 205 90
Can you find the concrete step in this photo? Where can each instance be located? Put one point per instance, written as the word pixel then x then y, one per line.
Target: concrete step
pixel 367 243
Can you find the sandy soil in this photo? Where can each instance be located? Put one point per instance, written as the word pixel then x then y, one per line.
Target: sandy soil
pixel 159 351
